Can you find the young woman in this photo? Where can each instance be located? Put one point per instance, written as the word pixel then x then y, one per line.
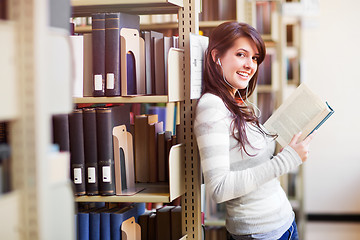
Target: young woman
pixel 236 151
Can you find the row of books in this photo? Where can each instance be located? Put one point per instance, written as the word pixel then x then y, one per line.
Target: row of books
pixel 132 221
pixel 115 59
pixel 108 223
pixel 159 18
pixel 264 16
pixel 213 10
pixel 216 10
pixel 144 19
pixel 105 159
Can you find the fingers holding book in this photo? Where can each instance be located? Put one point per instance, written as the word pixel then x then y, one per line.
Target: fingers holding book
pixel 302 147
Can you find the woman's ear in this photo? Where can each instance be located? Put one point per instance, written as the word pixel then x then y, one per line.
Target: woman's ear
pixel 214 54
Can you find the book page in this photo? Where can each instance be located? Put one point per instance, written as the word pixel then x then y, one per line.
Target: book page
pixel 302 111
pixel 198 46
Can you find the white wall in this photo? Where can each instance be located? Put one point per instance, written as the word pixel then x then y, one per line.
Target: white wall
pixel 331 66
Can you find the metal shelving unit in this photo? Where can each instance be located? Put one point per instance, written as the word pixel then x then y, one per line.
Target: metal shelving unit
pixel 191 177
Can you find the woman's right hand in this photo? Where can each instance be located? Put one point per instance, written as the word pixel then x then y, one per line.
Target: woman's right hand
pixel 302 148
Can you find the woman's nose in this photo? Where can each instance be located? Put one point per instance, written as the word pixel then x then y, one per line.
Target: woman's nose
pixel 249 63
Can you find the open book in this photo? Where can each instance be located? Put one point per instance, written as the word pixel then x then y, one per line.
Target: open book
pixel 303 111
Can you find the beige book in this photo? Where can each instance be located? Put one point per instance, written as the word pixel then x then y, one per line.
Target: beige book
pixel 303 111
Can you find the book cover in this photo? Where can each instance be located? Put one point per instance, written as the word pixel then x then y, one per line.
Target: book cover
pixel 303 111
pixel 77 156
pixel 90 150
pixel 98 52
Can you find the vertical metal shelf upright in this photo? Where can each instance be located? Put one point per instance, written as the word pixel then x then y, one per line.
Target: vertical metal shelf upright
pixel 191 200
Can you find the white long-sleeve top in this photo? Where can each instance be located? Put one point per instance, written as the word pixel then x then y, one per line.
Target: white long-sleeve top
pixel 255 201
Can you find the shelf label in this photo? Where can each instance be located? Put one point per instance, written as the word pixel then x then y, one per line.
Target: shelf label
pixel 77 176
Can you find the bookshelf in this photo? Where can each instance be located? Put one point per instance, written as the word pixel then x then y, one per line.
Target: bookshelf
pixel 184 167
pixel 41 205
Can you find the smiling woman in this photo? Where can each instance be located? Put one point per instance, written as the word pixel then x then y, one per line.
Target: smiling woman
pixel 239 63
pixel 236 152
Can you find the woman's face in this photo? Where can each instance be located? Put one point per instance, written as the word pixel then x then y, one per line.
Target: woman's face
pixel 239 63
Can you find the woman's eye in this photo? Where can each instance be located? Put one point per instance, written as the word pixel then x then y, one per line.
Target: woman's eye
pixel 240 54
pixel 256 59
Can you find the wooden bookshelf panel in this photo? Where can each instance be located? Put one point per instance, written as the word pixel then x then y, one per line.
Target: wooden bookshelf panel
pixel 8 80
pixel 10 212
pixel 154 192
pixel 85 8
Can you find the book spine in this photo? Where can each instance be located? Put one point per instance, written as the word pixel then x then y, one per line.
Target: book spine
pixel 163 223
pixel 98 46
pixel 148 77
pixel 141 149
pixel 154 129
pixel 94 226
pixel 90 150
pixel 83 226
pixel 112 54
pixel 105 230
pixel 77 157
pixel 104 126
pixel 60 124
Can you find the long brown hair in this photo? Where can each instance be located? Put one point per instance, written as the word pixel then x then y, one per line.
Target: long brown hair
pixel 222 39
